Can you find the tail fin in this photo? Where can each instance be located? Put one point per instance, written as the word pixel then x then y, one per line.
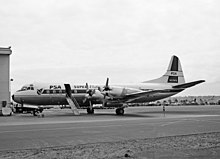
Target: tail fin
pixel 174 74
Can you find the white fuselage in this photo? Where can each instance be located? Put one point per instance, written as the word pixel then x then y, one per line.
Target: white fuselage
pixel 54 94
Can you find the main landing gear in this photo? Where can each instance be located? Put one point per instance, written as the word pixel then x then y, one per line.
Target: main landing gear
pixel 38 112
pixel 90 111
pixel 120 111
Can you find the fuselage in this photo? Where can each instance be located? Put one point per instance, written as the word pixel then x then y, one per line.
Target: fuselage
pixel 54 94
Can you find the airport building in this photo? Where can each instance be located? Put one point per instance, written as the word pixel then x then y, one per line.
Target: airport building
pixel 4 77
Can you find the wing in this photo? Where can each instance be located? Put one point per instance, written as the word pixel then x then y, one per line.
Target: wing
pixel 177 89
pixel 138 95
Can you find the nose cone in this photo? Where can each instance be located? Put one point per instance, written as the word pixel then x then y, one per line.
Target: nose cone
pixel 15 98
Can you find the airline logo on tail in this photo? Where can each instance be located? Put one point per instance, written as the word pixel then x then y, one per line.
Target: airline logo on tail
pixel 173 69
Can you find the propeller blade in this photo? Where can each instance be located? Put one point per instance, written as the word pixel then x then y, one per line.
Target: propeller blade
pixel 89 94
pixel 88 91
pixel 87 86
pixel 106 87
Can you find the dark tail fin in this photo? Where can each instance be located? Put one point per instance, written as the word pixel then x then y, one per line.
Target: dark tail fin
pixel 174 74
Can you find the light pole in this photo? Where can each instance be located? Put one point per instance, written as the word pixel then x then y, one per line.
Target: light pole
pixel 10 89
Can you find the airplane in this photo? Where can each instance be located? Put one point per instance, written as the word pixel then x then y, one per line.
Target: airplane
pixel 39 95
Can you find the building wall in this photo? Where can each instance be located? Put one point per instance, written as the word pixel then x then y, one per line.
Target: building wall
pixel 4 76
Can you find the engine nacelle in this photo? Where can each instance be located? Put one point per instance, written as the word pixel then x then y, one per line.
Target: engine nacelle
pixel 120 91
pixel 97 95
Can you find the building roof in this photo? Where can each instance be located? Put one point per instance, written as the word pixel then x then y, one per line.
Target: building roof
pixel 5 50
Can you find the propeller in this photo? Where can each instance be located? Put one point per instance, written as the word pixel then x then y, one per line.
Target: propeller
pixel 106 87
pixel 106 90
pixel 89 94
pixel 89 91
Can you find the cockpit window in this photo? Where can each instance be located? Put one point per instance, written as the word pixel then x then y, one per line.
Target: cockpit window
pixel 30 87
pixel 24 88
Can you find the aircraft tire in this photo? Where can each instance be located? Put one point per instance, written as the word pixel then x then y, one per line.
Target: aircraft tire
pixel 34 113
pixel 90 111
pixel 119 111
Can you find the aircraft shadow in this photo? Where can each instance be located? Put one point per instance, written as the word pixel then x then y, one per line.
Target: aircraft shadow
pixel 180 112
pixel 85 115
pixel 140 114
pixel 99 115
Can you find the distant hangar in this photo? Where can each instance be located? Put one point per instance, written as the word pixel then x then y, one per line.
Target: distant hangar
pixel 4 77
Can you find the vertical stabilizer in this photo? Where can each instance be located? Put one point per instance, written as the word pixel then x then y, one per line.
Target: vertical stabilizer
pixel 174 74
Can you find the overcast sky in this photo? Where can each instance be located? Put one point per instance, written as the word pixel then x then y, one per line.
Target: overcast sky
pixel 79 41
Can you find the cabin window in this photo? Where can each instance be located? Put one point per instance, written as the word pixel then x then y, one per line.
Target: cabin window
pixel 56 91
pixel 81 91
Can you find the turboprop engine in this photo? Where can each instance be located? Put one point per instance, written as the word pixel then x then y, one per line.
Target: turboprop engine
pixel 116 91
pixel 92 94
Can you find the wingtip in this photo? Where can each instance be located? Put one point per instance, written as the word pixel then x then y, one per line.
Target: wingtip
pixel 201 81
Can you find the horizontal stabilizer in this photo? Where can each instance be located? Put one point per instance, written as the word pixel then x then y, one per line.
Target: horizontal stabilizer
pixel 187 85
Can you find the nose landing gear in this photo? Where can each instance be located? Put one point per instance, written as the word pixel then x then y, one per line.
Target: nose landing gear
pixel 120 111
pixel 90 111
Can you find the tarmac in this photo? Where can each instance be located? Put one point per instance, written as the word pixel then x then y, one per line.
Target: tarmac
pixel 62 128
